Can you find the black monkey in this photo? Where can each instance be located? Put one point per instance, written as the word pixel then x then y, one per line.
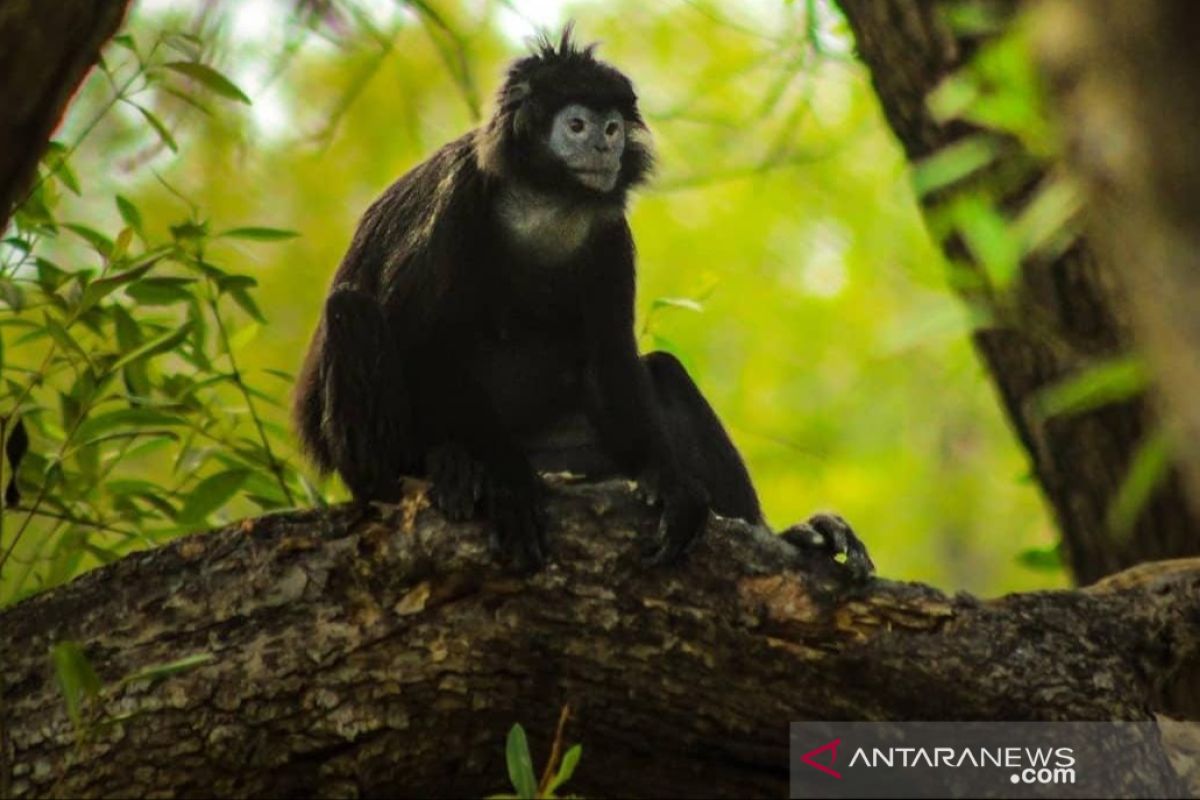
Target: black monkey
pixel 480 328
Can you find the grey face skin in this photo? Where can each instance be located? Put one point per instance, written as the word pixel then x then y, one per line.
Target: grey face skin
pixel 590 143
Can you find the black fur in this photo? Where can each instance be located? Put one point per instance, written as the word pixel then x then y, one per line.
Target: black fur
pixel 446 351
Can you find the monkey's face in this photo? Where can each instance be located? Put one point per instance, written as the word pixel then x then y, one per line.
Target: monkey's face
pixel 590 144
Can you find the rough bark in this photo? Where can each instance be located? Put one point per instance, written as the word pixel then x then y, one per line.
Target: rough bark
pixel 1127 87
pixel 1062 315
pixel 390 657
pixel 45 50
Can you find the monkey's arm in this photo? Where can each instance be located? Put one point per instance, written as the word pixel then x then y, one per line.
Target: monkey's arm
pixel 621 399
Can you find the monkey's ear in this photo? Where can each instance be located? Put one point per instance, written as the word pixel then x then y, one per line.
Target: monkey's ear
pixel 515 98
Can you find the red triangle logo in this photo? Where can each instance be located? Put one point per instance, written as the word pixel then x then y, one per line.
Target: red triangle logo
pixel 808 758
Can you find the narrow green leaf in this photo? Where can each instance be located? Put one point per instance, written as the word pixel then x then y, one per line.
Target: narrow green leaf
pixel 159 128
pixel 520 764
pixel 1041 559
pixel 685 303
pixel 76 678
pixel 247 304
pixel 1104 383
pixel 210 494
pixel 99 289
pixel 159 671
pixel 1147 470
pixel 159 344
pixel 210 79
pixel 125 418
pixel 954 162
pixel 161 291
pixel 102 244
pixel 259 234
pixel 566 769
pixel 59 333
pixel 129 213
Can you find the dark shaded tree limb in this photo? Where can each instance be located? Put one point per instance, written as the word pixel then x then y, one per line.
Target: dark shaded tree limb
pixel 46 48
pixel 391 657
pixel 1062 314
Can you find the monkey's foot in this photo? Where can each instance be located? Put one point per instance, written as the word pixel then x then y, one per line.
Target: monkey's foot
pixel 457 480
pixel 831 535
pixel 518 523
pixel 684 516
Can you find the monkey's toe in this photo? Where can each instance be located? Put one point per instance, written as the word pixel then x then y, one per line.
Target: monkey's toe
pixel 833 536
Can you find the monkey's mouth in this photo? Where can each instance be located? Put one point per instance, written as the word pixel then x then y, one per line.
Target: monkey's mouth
pixel 603 179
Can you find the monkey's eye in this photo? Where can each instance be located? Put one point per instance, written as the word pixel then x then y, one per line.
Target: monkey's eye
pixel 612 128
pixel 576 125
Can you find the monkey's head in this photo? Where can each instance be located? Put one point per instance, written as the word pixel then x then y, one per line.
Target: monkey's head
pixel 567 123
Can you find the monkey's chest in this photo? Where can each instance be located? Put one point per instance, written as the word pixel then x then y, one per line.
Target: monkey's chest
pixel 530 380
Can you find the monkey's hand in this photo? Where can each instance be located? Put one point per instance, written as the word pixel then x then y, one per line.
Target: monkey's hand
pixel 832 536
pixel 457 479
pixel 513 498
pixel 684 515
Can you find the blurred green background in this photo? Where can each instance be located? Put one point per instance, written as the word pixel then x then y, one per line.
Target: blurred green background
pixel 782 255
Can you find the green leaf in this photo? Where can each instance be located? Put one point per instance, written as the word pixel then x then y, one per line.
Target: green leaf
pixel 76 679
pixel 210 494
pixel 247 304
pixel 159 128
pixel 520 764
pixel 566 769
pixel 161 291
pixel 954 162
pixel 59 333
pixel 1147 470
pixel 102 244
pixel 129 213
pixel 99 289
pixel 1041 559
pixel 159 671
pixel 159 344
pixel 210 79
pixel 685 303
pixel 123 419
pixel 259 234
pixel 1104 383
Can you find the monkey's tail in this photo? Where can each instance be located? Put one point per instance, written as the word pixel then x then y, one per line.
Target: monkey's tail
pixel 350 408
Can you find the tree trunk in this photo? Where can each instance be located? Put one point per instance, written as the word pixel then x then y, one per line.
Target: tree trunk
pixel 390 657
pixel 45 50
pixel 1127 84
pixel 1066 315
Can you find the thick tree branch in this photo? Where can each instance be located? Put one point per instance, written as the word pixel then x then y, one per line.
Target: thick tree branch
pixel 391 656
pixel 45 50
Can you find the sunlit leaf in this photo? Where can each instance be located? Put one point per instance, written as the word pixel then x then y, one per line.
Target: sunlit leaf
pixel 1104 383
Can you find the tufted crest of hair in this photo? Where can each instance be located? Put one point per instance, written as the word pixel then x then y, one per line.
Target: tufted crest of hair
pixel 556 74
